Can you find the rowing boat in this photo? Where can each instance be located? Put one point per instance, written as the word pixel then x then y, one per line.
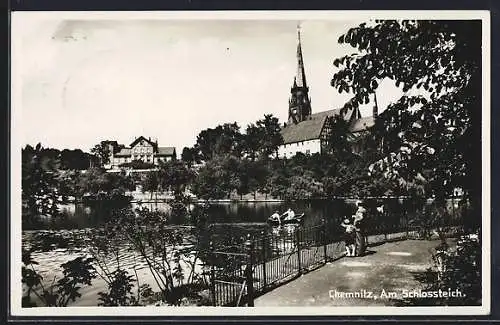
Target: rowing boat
pixel 295 220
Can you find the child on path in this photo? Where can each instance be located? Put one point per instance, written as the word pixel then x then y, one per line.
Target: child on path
pixel 350 237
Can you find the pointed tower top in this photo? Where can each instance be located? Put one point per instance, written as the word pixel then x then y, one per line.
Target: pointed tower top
pixel 301 75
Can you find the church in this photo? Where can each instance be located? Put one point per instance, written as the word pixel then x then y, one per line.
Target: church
pixel 308 132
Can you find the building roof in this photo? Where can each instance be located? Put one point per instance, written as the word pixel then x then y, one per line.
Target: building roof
pixel 303 131
pixel 362 124
pixel 142 138
pixel 165 151
pixel 308 129
pixel 331 112
pixel 311 128
pixel 124 152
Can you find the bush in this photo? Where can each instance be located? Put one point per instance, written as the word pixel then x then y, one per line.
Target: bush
pixel 458 269
pixel 76 272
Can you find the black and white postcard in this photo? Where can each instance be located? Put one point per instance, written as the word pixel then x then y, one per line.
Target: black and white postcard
pixel 250 163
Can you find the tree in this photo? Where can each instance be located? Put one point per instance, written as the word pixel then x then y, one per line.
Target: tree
pixel 338 140
pixel 175 176
pixel 252 142
pixel 303 186
pixel 271 137
pixel 151 182
pixel 263 138
pixel 432 133
pixel 75 159
pixel 96 181
pixel 279 180
pixel 41 188
pixel 137 164
pixel 103 152
pixel 190 156
pixel 217 178
pixel 224 139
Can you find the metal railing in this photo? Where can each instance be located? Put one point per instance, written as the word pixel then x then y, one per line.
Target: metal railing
pixel 244 268
pixel 268 260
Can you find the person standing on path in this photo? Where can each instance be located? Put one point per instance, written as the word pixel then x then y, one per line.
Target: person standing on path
pixel 358 223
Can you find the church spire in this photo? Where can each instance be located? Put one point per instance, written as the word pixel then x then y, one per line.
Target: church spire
pixel 299 105
pixel 301 75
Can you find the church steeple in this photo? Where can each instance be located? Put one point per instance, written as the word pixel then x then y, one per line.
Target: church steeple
pixel 301 74
pixel 299 105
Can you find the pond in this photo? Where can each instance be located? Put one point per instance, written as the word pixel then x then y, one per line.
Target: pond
pixel 55 245
pixel 80 215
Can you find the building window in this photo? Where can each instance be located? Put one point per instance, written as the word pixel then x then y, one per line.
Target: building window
pixel 308 152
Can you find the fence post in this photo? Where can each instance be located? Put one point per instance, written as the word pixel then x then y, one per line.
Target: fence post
pixel 297 240
pixel 212 273
pixel 325 241
pixel 264 259
pixel 407 226
pixel 249 272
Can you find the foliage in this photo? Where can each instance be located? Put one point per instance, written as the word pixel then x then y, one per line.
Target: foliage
pixel 151 182
pixel 457 269
pixel 137 164
pixel 217 178
pixel 119 290
pixel 175 176
pixel 103 152
pixel 263 138
pixel 338 139
pixel 97 180
pixel 60 293
pixel 190 156
pixel 430 136
pixel 41 185
pixel 168 251
pixel 223 139
pixel 76 159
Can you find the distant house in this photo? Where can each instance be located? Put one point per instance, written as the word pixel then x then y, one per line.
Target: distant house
pixel 140 150
pixel 309 133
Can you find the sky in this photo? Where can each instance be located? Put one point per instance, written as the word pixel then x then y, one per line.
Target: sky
pixel 83 81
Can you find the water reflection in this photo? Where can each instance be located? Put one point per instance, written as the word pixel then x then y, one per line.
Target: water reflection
pixel 80 215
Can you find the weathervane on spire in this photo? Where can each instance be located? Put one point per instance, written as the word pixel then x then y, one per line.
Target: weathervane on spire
pixel 298 29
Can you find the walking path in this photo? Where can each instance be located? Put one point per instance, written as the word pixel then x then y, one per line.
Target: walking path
pixel 386 271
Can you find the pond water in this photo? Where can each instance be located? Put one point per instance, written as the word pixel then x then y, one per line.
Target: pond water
pixel 55 245
pixel 80 216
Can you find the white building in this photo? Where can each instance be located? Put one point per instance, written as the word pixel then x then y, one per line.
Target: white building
pixel 140 150
pixel 308 133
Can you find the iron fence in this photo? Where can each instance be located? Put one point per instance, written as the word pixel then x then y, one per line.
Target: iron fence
pixel 245 268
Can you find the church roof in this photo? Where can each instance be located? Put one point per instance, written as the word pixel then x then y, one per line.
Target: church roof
pixel 165 151
pixel 303 131
pixel 329 113
pixel 308 129
pixel 362 124
pixel 311 128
